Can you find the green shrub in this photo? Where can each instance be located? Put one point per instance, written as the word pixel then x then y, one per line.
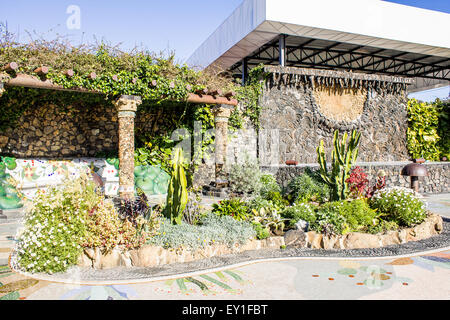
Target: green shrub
pixel 261 231
pixel 268 185
pixel 422 136
pixel 303 211
pixel 400 205
pixel 212 229
pixel 443 127
pixel 235 208
pixel 55 227
pixel 382 226
pixel 308 187
pixel 245 177
pixel 346 216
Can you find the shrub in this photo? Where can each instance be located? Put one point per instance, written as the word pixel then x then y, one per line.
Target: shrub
pixel 61 221
pixel 235 208
pixel 213 229
pixel 422 136
pixel 261 231
pixel 193 211
pixel 443 127
pixel 345 216
pixel 245 177
pixel 106 230
pixel 268 185
pixel 400 205
pixel 303 211
pixel 382 226
pixel 308 187
pixel 55 227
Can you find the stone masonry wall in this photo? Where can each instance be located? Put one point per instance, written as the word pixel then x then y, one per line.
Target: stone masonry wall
pixel 48 131
pixel 437 181
pixel 307 105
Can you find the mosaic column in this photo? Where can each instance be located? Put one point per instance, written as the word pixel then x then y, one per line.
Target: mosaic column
pixel 126 108
pixel 221 115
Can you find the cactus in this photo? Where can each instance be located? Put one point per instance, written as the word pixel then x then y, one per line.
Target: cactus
pixel 342 158
pixel 177 195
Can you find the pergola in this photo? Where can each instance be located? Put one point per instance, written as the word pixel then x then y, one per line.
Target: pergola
pixel 126 106
pixel 367 36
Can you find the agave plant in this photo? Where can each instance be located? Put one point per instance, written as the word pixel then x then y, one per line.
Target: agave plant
pixel 269 218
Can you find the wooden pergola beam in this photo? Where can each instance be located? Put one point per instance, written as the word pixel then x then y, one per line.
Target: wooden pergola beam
pixel 23 80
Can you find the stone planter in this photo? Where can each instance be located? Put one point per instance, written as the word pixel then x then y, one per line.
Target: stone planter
pixel 356 240
pixel 151 256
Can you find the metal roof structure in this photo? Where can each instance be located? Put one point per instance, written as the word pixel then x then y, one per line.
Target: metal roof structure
pixel 369 36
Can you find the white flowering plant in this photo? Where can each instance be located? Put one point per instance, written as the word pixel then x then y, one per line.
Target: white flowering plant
pixel 60 222
pixel 55 227
pixel 402 205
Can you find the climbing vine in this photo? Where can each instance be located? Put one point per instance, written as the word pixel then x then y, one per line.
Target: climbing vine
pixel 158 79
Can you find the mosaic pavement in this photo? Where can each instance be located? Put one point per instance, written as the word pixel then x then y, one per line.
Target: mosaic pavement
pixel 419 277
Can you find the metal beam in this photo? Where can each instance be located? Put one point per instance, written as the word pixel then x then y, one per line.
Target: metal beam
pixel 282 50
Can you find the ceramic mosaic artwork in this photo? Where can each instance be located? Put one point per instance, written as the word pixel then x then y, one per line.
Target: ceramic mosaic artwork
pixel 32 174
pixel 420 277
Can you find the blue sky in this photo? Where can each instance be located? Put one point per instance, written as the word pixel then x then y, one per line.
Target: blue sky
pixel 180 25
pixel 157 25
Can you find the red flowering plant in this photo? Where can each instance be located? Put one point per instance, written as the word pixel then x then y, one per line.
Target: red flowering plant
pixel 357 182
pixel 380 184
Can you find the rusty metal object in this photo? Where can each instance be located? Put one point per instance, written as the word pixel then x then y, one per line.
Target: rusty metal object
pixel 414 171
pixel 9 67
pixel 207 99
pixel 42 71
pixel 215 92
pixel 201 92
pixel 69 73
pixel 229 94
pixel 291 162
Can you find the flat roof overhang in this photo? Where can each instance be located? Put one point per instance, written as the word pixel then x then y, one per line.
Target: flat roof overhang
pixel 359 35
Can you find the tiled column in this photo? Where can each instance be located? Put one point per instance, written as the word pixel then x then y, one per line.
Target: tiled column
pixel 126 108
pixel 221 115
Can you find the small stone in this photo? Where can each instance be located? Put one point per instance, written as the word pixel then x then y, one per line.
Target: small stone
pixel 295 238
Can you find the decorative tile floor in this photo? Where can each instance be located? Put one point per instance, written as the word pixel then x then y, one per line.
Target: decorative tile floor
pixel 419 277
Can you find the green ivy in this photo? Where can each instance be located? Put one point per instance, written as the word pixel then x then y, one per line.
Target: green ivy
pixel 422 134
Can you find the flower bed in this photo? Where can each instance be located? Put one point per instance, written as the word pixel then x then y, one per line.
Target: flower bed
pixel 340 209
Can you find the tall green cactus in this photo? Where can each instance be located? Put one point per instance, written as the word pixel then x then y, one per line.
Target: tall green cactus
pixel 177 195
pixel 342 158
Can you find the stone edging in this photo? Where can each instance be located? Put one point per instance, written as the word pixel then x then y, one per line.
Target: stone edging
pixel 152 256
pixel 432 225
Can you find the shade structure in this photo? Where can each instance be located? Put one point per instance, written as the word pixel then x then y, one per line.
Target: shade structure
pixel 360 35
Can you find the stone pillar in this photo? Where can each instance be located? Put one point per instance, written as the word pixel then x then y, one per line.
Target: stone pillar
pixel 221 115
pixel 126 108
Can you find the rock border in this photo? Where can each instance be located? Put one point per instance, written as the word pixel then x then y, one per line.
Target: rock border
pixel 432 225
pixel 153 256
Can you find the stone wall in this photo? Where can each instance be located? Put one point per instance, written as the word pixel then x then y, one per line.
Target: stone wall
pixel 437 181
pixel 302 106
pixel 75 131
